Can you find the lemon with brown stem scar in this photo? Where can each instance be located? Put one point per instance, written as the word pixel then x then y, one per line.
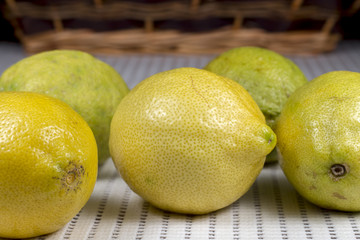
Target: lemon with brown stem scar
pixel 48 164
pixel 318 137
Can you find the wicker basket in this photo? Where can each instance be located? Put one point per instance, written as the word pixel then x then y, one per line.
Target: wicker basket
pixel 176 26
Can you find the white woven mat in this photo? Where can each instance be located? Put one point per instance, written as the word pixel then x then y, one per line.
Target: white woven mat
pixel 271 209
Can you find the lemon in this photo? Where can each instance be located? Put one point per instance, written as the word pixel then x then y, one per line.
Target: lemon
pixel 189 141
pixel 269 77
pixel 318 137
pixel 91 87
pixel 48 164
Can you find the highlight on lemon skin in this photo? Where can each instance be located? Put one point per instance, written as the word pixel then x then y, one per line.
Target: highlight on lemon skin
pixel 90 86
pixel 48 164
pixel 318 137
pixel 269 77
pixel 189 141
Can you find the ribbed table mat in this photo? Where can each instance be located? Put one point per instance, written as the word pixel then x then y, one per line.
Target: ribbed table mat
pixel 271 209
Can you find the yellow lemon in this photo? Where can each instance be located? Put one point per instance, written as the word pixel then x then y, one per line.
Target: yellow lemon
pixel 91 87
pixel 189 141
pixel 318 137
pixel 269 77
pixel 48 164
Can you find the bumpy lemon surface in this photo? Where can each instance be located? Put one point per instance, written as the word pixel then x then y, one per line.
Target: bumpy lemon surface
pixel 189 141
pixel 91 87
pixel 318 137
pixel 269 77
pixel 48 164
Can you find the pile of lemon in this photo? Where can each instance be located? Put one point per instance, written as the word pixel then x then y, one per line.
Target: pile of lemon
pixel 55 114
pixel 187 140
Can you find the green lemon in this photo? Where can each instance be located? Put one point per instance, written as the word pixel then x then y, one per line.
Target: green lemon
pixel 189 141
pixel 318 137
pixel 90 86
pixel 269 77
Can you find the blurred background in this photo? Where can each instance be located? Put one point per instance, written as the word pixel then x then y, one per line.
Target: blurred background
pixel 298 27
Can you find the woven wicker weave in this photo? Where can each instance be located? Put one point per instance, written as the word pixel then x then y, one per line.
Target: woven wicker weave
pixel 197 26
